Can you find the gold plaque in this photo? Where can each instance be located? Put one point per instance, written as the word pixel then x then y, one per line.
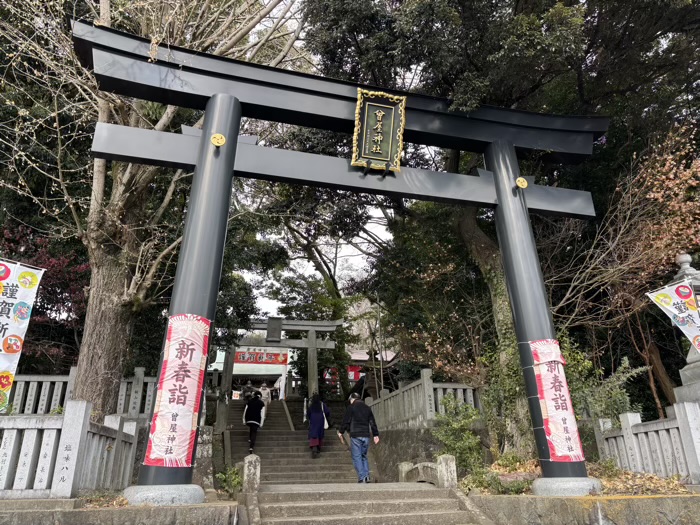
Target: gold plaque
pixel 521 182
pixel 218 140
pixel 380 119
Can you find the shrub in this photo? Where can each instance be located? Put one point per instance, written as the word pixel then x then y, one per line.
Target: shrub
pixel 454 429
pixel 231 481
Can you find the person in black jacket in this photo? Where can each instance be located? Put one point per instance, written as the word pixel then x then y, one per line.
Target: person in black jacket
pixel 359 421
pixel 254 416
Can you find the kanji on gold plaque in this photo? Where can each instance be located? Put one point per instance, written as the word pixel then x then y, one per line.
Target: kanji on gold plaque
pixel 379 123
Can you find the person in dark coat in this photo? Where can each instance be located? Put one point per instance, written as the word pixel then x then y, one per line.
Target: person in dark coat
pixel 254 417
pixel 316 412
pixel 359 421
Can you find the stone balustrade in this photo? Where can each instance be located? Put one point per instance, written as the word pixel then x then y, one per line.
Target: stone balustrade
pixel 415 405
pixel 665 447
pixel 39 394
pixel 55 456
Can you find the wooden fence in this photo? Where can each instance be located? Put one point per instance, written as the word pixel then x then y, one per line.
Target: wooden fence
pixel 665 447
pixel 37 394
pixel 415 405
pixel 54 456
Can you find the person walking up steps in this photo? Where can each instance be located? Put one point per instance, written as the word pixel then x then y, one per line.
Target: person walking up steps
pixel 254 417
pixel 319 420
pixel 359 421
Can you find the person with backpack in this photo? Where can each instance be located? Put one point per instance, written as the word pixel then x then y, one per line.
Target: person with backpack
pixel 254 417
pixel 359 421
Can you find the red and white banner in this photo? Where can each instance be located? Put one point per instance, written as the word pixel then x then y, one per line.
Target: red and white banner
pixel 261 358
pixel 174 425
pixel 680 304
pixel 555 401
pixel 18 287
pixel 354 372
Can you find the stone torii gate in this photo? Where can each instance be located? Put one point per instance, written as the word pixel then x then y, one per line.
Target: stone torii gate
pixel 229 90
pixel 274 326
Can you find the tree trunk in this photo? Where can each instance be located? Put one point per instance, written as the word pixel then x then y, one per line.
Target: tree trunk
pixel 487 256
pixel 107 331
pixel 657 366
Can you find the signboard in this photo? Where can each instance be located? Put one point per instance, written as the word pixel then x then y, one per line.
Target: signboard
pixel 174 423
pixel 260 358
pixel 680 304
pixel 18 288
pixel 379 123
pixel 557 412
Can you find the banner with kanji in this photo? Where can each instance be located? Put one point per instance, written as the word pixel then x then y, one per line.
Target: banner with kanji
pixel 176 413
pixel 18 287
pixel 555 401
pixel 260 358
pixel 679 303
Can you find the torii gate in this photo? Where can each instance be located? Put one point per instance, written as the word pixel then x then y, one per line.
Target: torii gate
pixel 274 326
pixel 229 90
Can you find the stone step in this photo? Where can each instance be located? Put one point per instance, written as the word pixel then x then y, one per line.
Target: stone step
pixel 317 477
pixel 296 462
pixel 358 492
pixel 310 467
pixel 354 508
pixel 309 482
pixel 277 436
pixel 284 456
pixel 416 518
pixel 261 442
pixel 262 446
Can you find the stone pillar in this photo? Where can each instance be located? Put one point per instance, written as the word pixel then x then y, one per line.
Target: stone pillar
pixel 426 376
pixel 600 426
pixel 690 374
pixel 447 472
pixel 70 455
pixel 688 417
pixel 634 453
pixel 312 363
pixel 136 392
pixel 404 468
pixel 251 474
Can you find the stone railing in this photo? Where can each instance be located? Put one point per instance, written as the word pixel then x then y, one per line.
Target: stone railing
pixel 666 447
pixel 37 394
pixel 415 405
pixel 442 474
pixel 55 456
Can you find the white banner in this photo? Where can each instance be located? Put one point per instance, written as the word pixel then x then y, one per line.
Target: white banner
pixel 679 303
pixel 555 401
pixel 176 414
pixel 18 287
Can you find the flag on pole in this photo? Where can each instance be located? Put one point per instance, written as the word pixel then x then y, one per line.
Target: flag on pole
pixel 18 288
pixel 679 303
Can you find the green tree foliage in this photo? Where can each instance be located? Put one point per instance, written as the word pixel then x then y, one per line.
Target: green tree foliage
pixel 635 62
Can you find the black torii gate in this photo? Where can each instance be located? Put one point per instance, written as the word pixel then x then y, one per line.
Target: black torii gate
pixel 230 89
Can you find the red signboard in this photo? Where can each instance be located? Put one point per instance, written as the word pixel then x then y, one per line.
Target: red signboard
pixel 261 358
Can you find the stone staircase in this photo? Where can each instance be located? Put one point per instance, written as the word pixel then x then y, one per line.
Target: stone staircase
pixel 360 504
pixel 285 456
